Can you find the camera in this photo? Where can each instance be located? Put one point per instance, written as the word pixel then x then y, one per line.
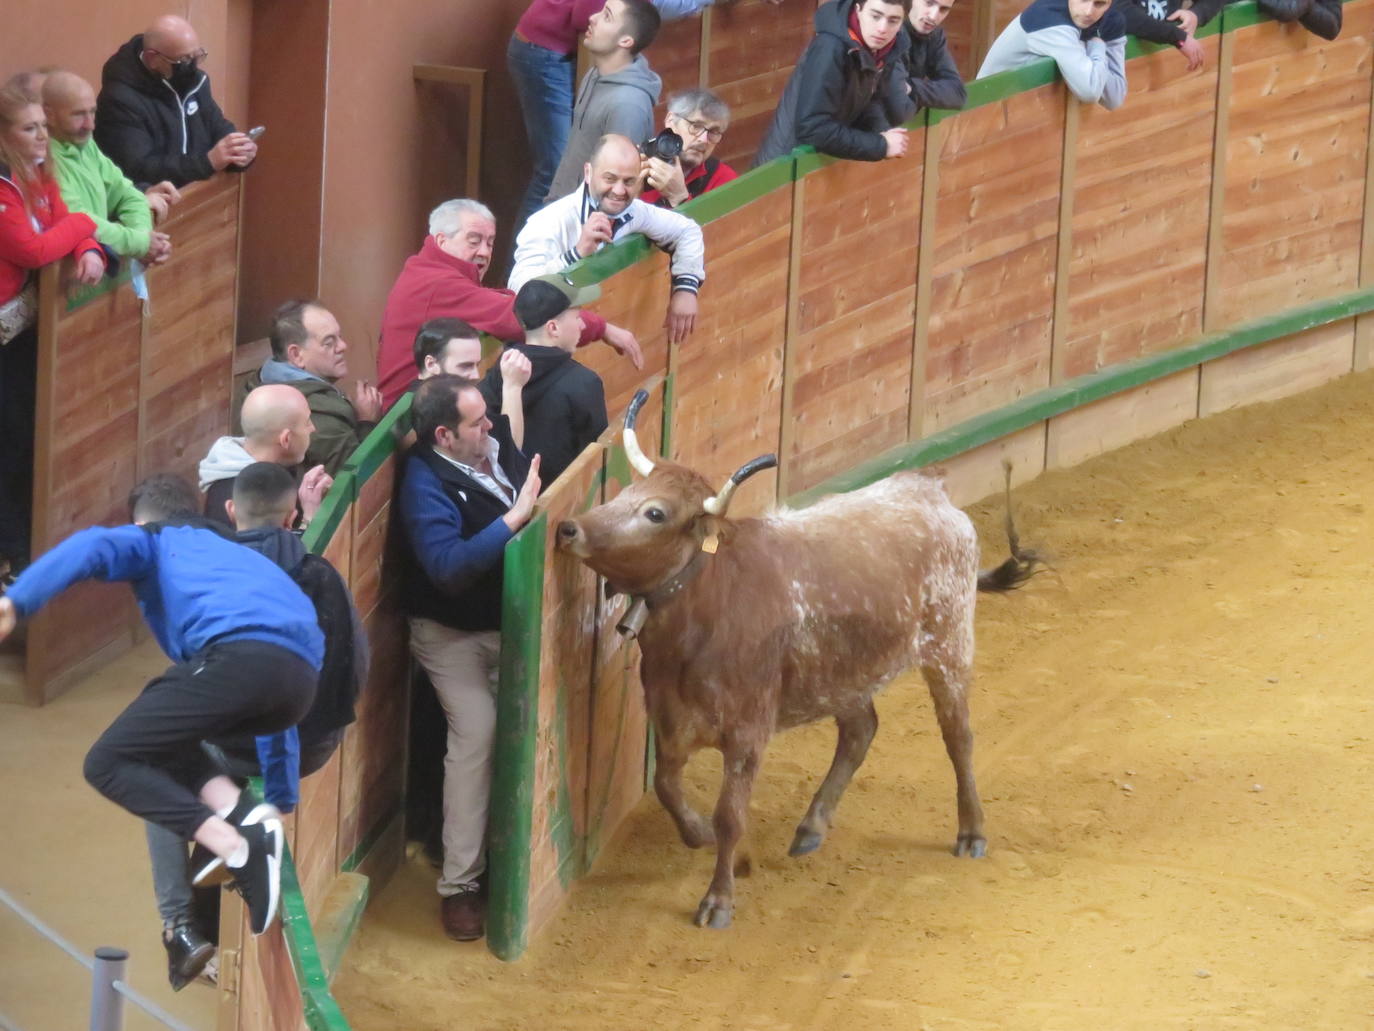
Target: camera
pixel 665 146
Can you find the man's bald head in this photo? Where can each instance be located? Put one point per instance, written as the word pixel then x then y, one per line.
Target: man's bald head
pixel 613 173
pixel 170 43
pixel 276 424
pixel 69 102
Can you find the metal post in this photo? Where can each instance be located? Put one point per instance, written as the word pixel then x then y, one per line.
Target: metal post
pixel 107 1005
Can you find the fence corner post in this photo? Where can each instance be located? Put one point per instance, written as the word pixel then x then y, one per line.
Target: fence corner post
pixel 107 1005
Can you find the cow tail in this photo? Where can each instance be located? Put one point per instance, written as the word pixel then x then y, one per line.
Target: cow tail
pixel 1020 566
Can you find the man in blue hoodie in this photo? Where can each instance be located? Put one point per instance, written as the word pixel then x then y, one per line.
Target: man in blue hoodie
pixel 246 649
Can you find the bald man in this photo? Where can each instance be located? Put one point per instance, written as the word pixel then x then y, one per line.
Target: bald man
pixel 91 183
pixel 276 428
pixel 155 116
pixel 607 208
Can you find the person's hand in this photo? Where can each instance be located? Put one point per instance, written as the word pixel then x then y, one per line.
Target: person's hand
pixel 515 370
pixel 89 268
pixel 367 401
pixel 896 143
pixel 8 618
pixel 682 316
pixel 520 512
pixel 623 342
pixel 666 177
pixel 158 205
pixel 159 248
pixel 315 485
pixel 1187 21
pixel 595 232
pixel 234 149
pixel 1192 50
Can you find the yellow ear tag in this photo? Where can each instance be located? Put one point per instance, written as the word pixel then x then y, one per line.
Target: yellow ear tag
pixel 710 544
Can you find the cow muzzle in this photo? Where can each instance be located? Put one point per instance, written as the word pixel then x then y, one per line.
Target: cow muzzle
pixel 571 538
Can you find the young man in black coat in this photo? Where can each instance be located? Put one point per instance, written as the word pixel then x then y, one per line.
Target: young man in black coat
pixel 564 404
pixel 848 93
pixel 155 117
pixel 931 74
pixel 1171 22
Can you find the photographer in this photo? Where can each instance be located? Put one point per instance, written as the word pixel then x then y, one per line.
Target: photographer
pixel 680 166
pixel 607 208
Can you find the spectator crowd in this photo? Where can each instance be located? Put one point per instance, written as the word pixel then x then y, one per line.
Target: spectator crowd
pixel 266 669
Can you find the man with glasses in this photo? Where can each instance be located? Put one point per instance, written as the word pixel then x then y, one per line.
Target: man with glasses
pixel 700 118
pixel 155 117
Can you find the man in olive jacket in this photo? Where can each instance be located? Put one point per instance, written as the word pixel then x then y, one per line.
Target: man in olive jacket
pixel 308 353
pixel 848 93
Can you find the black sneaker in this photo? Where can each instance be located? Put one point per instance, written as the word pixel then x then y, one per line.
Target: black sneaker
pixel 208 869
pixel 188 951
pixel 259 879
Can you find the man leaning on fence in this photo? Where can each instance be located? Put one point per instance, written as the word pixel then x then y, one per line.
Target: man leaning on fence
pixel 466 490
pixel 1086 39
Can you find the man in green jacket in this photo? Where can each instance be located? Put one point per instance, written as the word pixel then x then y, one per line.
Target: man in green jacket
pixel 93 184
pixel 309 353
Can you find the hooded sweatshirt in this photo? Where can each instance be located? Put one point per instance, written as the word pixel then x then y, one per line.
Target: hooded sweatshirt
pixel 93 185
pixel 1092 61
pixel 841 96
pixel 155 128
pixel 621 102
pixel 338 430
pixel 218 471
pixel 564 403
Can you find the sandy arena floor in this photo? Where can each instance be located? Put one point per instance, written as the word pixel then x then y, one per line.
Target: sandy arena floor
pixel 1173 746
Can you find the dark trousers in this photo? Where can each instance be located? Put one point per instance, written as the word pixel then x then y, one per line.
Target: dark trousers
pixel 150 760
pixel 18 395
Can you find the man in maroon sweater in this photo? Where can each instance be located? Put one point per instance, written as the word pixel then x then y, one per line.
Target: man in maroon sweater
pixel 445 280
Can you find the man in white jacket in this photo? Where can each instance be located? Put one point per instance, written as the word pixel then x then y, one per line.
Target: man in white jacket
pixel 606 208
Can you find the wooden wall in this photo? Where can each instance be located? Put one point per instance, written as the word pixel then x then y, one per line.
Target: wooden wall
pixel 126 391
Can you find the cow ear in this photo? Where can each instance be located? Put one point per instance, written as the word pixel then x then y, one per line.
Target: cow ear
pixel 708 526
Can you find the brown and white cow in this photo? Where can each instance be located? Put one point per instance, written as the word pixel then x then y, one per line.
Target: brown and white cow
pixel 753 626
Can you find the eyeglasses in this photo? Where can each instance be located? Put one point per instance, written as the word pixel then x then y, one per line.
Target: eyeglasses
pixel 182 62
pixel 699 129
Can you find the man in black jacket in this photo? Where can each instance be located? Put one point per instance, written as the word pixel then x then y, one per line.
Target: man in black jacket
pixel 1171 22
pixel 1322 17
pixel 155 117
pixel 848 93
pixel 931 74
pixel 564 404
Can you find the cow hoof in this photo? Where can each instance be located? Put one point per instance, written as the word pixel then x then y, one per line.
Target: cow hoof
pixel 805 841
pixel 713 914
pixel 970 845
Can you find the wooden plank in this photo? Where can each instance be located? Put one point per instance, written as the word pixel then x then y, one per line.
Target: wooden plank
pixel 676 58
pixel 1364 325
pixel 978 474
pixel 1296 159
pixel 1111 423
pixel 992 286
pixel 1063 251
pixel 852 356
pixel 1216 206
pixel 1277 370
pixel 925 261
pixel 1135 269
pixel 316 849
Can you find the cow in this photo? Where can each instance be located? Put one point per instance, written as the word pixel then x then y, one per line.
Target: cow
pixel 749 627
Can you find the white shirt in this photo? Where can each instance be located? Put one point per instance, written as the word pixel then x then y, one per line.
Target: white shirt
pixel 500 486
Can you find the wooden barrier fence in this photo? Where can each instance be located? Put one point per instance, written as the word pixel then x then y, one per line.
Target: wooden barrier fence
pixel 1039 279
pixel 125 389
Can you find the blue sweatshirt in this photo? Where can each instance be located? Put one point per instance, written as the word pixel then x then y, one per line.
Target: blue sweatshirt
pixel 194 587
pixel 1092 61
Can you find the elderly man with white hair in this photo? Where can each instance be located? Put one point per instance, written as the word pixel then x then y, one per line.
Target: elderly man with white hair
pixel 444 280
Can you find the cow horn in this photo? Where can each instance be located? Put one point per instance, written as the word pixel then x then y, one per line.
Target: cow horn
pixel 638 459
pixel 718 504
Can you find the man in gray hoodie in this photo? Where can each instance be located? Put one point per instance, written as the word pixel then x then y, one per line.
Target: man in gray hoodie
pixel 618 93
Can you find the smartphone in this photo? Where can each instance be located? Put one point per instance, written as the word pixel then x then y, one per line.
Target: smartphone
pixel 256 131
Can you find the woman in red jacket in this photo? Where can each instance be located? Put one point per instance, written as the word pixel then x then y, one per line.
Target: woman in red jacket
pixel 35 229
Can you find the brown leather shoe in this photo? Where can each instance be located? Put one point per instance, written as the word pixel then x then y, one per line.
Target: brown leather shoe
pixel 464 914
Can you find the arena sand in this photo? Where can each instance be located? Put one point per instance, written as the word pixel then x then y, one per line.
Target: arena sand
pixel 1174 733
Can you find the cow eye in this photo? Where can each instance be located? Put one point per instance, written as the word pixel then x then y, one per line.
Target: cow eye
pixel 654 515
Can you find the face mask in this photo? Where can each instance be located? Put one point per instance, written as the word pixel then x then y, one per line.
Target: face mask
pixel 185 74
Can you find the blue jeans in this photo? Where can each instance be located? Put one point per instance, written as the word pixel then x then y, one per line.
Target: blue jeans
pixel 544 82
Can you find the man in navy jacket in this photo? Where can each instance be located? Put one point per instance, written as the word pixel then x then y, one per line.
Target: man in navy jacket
pixel 247 651
pixel 467 489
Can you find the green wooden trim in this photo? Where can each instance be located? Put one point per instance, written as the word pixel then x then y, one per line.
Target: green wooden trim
pixel 1084 390
pixel 381 443
pixel 322 1013
pixel 607 262
pixel 1009 83
pixel 368 842
pixel 84 295
pixel 665 448
pixel 1241 15
pixel 333 509
pixel 738 193
pixel 517 715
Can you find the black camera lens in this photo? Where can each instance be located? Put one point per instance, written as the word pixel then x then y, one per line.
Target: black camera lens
pixel 666 146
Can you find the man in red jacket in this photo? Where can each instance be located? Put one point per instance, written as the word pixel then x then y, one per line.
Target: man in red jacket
pixel 445 280
pixel 700 118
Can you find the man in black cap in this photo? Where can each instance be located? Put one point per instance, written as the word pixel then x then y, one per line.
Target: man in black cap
pixel 564 404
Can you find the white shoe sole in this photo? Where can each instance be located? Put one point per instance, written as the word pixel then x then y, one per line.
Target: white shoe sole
pixel 216 872
pixel 273 828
